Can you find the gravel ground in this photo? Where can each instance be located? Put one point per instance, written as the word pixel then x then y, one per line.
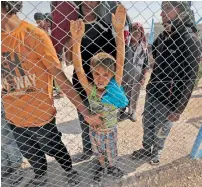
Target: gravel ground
pixel 176 168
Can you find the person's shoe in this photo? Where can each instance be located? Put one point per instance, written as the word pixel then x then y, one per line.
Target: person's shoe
pixel 115 172
pixel 98 174
pixel 17 176
pixel 85 156
pixel 39 181
pixel 82 157
pixel 7 171
pixel 156 155
pixel 141 153
pixel 73 177
pixel 133 117
pixel 122 116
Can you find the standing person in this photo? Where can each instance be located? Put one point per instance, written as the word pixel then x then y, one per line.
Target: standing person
pixel 27 70
pixel 177 52
pixel 98 38
pixel 47 23
pixel 64 11
pixel 11 158
pixel 135 68
pixel 39 18
pixel 104 94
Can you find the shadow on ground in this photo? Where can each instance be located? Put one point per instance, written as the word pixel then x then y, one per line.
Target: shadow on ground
pixel 56 175
pixel 131 178
pixel 196 121
pixel 70 127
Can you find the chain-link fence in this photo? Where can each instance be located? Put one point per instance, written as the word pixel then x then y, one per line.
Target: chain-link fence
pixel 133 102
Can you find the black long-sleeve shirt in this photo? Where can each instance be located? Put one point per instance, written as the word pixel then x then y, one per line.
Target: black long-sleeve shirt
pixel 177 59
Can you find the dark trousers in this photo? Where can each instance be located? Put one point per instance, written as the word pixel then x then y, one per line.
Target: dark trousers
pixel 87 147
pixel 155 123
pixel 35 142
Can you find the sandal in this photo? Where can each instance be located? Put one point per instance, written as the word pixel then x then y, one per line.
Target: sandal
pixel 156 155
pixel 73 177
pixel 114 171
pixel 98 174
pixel 141 153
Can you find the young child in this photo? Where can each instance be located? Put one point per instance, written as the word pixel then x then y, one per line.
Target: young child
pixel 105 95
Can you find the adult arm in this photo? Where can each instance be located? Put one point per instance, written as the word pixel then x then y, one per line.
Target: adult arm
pixel 47 53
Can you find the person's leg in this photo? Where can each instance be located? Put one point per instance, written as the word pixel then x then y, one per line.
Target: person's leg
pixel 162 130
pixel 87 147
pixel 134 100
pixel 111 153
pixel 11 158
pixel 14 154
pixel 148 123
pixel 98 146
pixel 30 149
pixel 50 142
pixel 5 162
pixel 148 128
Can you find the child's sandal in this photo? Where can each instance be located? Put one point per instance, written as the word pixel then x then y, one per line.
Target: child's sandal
pixel 114 171
pixel 98 174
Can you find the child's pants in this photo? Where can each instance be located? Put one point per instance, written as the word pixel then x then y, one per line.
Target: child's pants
pixel 155 123
pixel 104 144
pixel 35 142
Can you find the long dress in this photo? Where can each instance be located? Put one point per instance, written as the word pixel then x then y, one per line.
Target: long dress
pixel 135 63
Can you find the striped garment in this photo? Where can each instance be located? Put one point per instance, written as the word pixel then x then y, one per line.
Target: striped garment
pixel 104 143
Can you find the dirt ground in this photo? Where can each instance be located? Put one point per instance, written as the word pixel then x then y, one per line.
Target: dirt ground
pixel 176 168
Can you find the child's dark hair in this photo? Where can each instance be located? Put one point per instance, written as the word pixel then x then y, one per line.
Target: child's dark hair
pixel 39 16
pixel 105 60
pixel 48 17
pixel 12 7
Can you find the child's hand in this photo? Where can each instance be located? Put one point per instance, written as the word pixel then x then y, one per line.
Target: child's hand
pixel 119 19
pixel 94 121
pixel 77 29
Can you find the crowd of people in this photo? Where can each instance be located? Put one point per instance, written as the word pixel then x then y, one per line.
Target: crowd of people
pixel 110 66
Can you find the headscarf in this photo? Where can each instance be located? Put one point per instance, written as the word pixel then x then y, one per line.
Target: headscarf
pixel 185 16
pixel 142 39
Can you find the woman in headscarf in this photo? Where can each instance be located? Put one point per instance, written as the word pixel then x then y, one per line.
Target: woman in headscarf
pixel 177 52
pixel 135 69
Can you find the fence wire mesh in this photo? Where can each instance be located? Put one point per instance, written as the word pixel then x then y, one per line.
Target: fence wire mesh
pixel 51 134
